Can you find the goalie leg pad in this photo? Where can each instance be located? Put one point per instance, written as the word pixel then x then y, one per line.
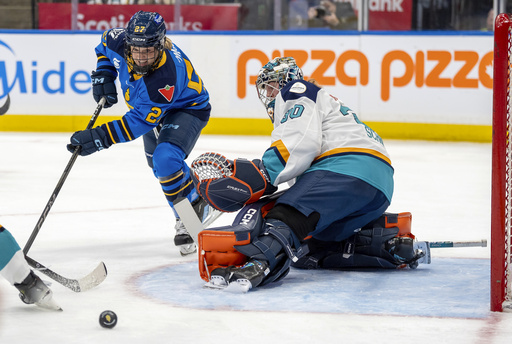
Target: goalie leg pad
pixel 278 246
pixel 217 245
pixel 384 243
pixel 248 238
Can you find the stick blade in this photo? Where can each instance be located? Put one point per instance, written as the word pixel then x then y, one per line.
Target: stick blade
pixel 188 217
pixel 91 280
pixel 94 278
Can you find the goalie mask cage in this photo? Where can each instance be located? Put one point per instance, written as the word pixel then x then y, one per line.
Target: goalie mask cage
pixel 501 199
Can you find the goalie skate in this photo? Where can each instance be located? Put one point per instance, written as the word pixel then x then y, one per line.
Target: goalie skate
pixel 238 286
pixel 239 279
pixel 216 282
pixel 420 247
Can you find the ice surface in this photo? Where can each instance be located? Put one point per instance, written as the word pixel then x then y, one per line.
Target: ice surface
pixel 111 209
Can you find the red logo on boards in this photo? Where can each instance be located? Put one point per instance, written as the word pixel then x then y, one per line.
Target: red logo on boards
pixel 167 92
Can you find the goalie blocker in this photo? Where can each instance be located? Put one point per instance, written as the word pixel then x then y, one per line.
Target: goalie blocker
pixel 384 243
pixel 248 182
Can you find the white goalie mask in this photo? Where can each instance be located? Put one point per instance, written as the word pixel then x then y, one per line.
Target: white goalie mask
pixel 272 77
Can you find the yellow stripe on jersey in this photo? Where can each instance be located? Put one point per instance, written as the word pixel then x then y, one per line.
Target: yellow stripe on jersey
pixel 281 148
pixel 171 179
pixel 110 133
pixel 354 150
pixel 180 190
pixel 102 57
pixel 127 134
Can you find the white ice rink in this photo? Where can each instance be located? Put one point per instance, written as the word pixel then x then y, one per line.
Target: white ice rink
pixel 111 209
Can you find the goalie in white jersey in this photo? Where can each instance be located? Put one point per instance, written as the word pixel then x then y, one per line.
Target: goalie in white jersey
pixel 342 180
pixel 342 168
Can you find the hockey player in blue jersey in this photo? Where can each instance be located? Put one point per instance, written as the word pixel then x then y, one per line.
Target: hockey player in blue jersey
pixel 167 101
pixel 342 181
pixel 15 269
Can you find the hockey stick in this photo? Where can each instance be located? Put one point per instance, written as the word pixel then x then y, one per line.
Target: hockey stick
pixel 87 282
pixel 443 244
pixel 206 166
pixel 61 182
pixel 190 220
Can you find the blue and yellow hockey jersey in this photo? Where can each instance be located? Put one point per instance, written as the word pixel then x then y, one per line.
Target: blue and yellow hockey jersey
pixel 173 85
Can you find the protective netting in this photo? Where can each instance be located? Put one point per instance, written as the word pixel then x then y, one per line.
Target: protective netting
pixel 211 166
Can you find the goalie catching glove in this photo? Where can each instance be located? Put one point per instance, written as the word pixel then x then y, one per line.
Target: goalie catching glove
pixel 247 183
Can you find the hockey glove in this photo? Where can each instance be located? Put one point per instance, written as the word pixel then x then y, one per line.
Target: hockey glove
pixel 91 141
pixel 247 184
pixel 103 86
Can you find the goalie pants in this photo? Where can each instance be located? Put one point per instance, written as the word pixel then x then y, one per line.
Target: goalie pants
pixel 167 147
pixel 344 203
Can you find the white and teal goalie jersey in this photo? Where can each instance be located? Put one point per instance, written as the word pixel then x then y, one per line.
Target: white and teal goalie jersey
pixel 316 131
pixel 173 85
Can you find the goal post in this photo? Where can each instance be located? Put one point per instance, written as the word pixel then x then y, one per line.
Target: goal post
pixel 501 199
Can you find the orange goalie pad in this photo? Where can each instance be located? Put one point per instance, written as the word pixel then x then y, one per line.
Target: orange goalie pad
pixel 401 220
pixel 216 250
pixel 216 246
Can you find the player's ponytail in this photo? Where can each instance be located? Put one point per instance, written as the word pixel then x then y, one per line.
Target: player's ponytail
pixel 168 43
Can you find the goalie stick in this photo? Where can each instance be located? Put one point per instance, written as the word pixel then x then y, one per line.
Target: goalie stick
pixel 190 220
pixel 91 280
pixel 443 244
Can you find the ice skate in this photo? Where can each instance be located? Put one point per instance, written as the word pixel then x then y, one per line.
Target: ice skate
pixel 219 278
pixel 239 279
pixel 206 215
pixel 34 291
pixel 422 246
pixel 406 252
pixel 183 240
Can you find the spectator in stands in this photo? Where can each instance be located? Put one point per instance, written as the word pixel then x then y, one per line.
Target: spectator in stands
pixel 332 15
pixel 490 20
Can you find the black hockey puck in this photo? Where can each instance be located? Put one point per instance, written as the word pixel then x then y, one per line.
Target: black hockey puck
pixel 108 319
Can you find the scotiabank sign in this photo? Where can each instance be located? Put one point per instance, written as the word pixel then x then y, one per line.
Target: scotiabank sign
pixel 57 16
pixel 390 14
pixel 393 15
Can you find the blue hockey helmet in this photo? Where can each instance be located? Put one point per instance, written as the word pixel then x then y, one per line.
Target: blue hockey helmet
pixel 272 77
pixel 144 30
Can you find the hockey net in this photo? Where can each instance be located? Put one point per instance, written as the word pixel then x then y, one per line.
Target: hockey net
pixel 501 199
